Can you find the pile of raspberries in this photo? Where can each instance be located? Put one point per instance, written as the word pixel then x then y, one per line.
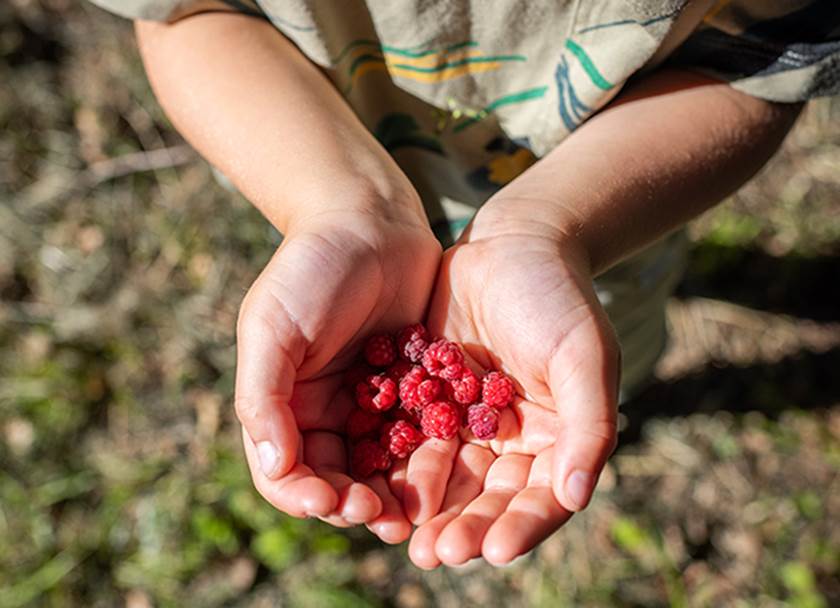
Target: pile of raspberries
pixel 412 387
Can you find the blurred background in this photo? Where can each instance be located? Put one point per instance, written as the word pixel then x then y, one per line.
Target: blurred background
pixel 122 264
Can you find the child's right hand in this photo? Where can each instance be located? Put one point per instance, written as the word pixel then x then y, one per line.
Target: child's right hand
pixel 337 278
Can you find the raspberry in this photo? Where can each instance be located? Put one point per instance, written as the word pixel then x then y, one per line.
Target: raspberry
pixel 379 350
pixel 444 359
pixel 417 390
pixel 399 369
pixel 497 390
pixel 412 342
pixel 400 438
pixel 464 389
pixel 361 423
pixel 483 421
pixel 377 393
pixel 368 457
pixel 440 420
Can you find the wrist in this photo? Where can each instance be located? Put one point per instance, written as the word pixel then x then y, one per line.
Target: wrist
pixel 366 221
pixel 534 218
pixel 349 201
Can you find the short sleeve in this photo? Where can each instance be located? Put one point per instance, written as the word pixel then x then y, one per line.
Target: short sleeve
pixel 779 51
pixel 172 10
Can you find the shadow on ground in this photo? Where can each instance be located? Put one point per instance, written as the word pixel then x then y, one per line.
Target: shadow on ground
pixel 796 286
pixel 806 380
pixel 804 287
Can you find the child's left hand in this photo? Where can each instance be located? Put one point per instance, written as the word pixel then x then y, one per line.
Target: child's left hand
pixel 522 301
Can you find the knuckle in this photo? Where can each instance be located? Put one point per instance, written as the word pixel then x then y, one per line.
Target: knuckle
pixel 605 432
pixel 247 410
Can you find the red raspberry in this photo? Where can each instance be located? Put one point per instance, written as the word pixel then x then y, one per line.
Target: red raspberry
pixel 464 389
pixel 417 390
pixel 440 420
pixel 483 421
pixel 497 390
pixel 400 438
pixel 399 369
pixel 444 359
pixel 361 423
pixel 412 342
pixel 377 393
pixel 379 350
pixel 367 458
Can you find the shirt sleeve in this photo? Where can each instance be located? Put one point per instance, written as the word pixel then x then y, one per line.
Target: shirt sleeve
pixel 779 51
pixel 172 10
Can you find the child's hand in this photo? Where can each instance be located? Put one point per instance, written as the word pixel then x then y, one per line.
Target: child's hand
pixel 338 278
pixel 523 302
pixel 518 287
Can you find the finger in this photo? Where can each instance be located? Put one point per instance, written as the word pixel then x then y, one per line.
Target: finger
pixel 326 454
pixel 426 479
pixel 391 526
pixel 465 483
pixel 583 377
pixel 397 477
pixel 532 515
pixel 461 540
pixel 269 350
pixel 299 492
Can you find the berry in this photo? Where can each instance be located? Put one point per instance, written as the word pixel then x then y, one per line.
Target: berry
pixel 412 342
pixel 399 369
pixel 440 420
pixel 362 423
pixel 464 389
pixel 497 390
pixel 444 359
pixel 376 394
pixel 368 457
pixel 417 390
pixel 400 438
pixel 483 421
pixel 379 350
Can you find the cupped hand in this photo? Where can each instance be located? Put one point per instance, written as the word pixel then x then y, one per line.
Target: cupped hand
pixel 523 303
pixel 334 281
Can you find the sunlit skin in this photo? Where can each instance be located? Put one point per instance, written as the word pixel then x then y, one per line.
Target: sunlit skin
pixel 301 326
pixel 516 290
pixel 544 327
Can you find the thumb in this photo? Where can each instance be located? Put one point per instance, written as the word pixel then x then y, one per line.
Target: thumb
pixel 269 350
pixel 583 378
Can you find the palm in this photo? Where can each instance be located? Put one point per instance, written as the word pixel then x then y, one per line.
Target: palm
pixel 518 304
pixel 299 330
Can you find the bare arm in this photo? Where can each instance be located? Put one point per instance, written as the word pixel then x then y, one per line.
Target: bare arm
pixel 250 103
pixel 668 148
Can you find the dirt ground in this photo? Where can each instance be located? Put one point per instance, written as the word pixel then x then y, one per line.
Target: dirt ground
pixel 122 264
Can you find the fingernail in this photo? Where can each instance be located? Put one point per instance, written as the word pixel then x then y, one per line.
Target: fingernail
pixel 579 488
pixel 268 457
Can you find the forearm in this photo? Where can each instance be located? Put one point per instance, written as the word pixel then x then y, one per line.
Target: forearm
pixel 258 110
pixel 666 149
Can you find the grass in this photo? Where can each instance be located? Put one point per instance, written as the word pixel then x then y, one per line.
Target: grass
pixel 122 479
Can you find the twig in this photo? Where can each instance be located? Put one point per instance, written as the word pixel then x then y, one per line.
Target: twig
pixel 137 162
